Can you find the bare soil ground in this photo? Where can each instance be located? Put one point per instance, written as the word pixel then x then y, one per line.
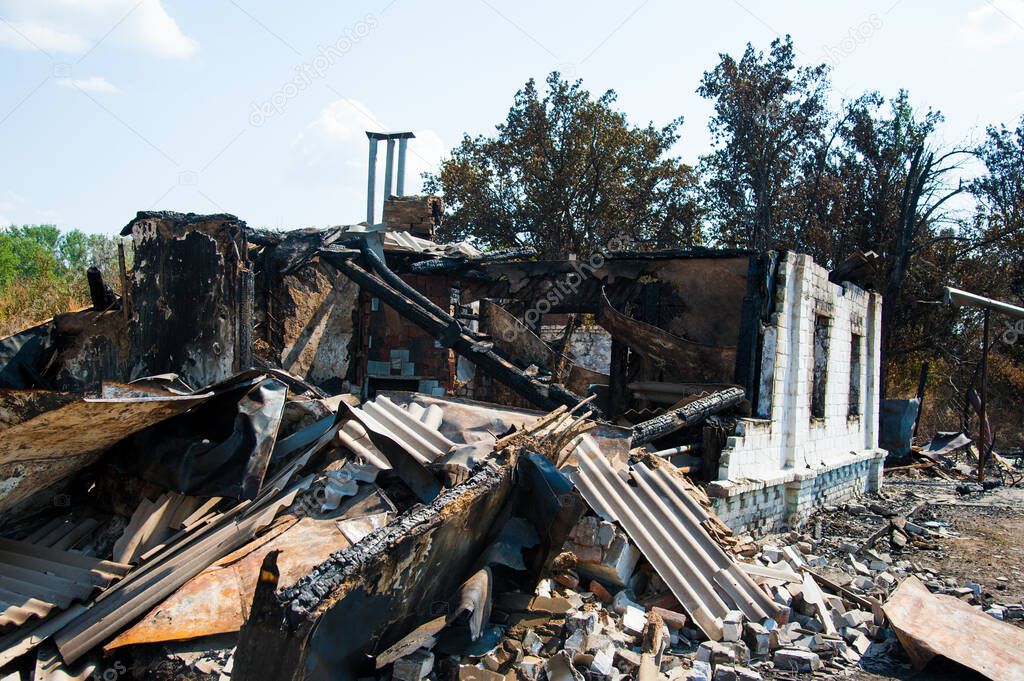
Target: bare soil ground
pixel 985 545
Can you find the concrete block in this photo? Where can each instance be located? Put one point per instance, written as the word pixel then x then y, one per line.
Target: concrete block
pixel 604 662
pixel 757 638
pixel 732 626
pixel 797 660
pixel 531 666
pixel 701 671
pixel 634 619
pixel 413 667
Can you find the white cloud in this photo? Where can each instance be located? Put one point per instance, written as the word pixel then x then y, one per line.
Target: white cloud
pixel 30 35
pixel 333 148
pixel 75 26
pixel 91 84
pixel 993 24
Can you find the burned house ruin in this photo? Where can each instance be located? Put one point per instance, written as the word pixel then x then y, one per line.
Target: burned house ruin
pixel 207 297
pixel 330 445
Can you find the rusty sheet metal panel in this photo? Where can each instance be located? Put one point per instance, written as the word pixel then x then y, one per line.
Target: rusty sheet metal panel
pixel 188 296
pixel 930 625
pixel 218 600
pixel 665 524
pixel 52 445
pixel 682 358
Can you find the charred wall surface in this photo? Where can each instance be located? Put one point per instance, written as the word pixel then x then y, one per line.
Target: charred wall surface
pixel 376 591
pixel 190 300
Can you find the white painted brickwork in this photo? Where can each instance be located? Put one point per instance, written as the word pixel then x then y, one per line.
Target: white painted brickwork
pixel 785 462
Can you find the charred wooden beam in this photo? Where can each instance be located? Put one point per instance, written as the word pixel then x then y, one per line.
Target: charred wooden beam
pixel 708 362
pixel 377 264
pixel 102 297
pixel 688 415
pixel 331 623
pixel 452 334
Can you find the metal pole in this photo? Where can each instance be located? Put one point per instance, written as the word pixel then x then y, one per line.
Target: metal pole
pixel 371 177
pixel 983 426
pixel 402 144
pixel 388 168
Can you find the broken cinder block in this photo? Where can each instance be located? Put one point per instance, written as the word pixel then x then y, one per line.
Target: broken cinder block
pixel 413 667
pixel 797 660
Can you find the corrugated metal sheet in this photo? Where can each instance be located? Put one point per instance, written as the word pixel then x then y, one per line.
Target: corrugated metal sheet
pixel 665 524
pixel 415 428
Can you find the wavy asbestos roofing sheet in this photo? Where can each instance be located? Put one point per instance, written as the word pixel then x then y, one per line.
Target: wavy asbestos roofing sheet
pixel 415 428
pixel 666 525
pixel 35 580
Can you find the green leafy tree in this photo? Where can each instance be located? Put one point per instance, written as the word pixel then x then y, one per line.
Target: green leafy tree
pixel 770 116
pixel 1000 194
pixel 42 271
pixel 566 173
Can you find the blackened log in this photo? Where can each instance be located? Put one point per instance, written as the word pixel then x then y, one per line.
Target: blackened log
pixel 100 294
pixel 460 264
pixel 333 621
pixel 378 265
pixel 447 328
pixel 688 415
pixel 618 378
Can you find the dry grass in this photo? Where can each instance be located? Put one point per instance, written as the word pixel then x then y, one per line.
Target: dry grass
pixel 940 411
pixel 28 302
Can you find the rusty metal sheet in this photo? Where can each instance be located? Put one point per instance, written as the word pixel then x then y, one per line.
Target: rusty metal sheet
pixel 38 573
pixel 682 357
pixel 54 444
pixel 218 600
pixel 930 625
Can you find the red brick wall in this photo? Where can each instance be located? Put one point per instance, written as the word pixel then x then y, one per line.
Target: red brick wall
pixel 390 331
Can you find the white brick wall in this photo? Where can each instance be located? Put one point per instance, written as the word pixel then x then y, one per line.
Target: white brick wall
pixel 785 446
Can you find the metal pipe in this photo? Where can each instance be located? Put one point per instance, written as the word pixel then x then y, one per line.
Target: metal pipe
pixel 371 178
pixel 983 425
pixel 388 168
pixel 402 144
pixel 955 296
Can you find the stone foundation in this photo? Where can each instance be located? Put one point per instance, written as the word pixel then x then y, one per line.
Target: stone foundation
pixel 785 501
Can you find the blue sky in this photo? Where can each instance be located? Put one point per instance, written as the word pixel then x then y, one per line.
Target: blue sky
pixel 258 108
